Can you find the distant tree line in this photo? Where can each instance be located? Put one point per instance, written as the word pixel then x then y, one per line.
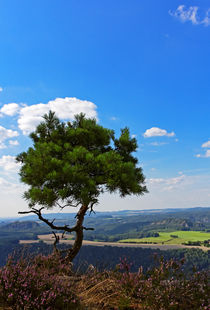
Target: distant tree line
pixel 107 257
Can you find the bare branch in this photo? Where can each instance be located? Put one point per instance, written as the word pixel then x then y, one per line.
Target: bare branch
pixel 63 234
pixel 68 204
pixel 91 207
pixel 25 212
pixel 39 214
pixel 57 239
pixel 78 229
pixel 87 228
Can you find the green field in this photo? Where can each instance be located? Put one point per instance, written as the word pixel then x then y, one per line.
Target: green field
pixel 166 237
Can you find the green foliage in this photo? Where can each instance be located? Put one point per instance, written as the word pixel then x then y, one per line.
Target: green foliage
pixel 77 161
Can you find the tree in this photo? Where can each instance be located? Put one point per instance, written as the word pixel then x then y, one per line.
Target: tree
pixel 71 164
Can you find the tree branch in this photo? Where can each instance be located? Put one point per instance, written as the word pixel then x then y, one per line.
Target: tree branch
pixel 68 204
pixel 91 207
pixel 57 239
pixel 65 228
pixel 87 228
pixel 39 214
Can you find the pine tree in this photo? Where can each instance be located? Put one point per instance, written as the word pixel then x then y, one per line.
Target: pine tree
pixel 71 164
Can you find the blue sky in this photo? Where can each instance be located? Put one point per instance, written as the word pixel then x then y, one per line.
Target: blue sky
pixel 142 64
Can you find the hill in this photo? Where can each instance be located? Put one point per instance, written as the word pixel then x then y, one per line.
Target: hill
pixel 20 226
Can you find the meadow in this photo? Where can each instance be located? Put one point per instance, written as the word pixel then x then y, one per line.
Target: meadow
pixel 175 237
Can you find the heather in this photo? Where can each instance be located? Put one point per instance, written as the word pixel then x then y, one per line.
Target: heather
pixel 48 282
pixel 38 283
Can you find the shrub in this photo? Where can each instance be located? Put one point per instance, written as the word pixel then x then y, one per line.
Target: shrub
pixel 47 283
pixel 37 284
pixel 165 287
pixel 174 236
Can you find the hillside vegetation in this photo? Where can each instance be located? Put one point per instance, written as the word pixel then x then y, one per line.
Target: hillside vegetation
pixel 12 232
pixel 115 226
pixel 47 282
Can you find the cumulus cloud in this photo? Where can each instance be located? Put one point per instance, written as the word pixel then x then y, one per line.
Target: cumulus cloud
pixel 206 144
pixel 157 132
pixel 10 109
pixel 1 89
pixel 8 163
pixel 191 14
pixel 65 108
pixel 6 134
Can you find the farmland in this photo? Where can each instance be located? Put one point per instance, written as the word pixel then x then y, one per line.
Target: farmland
pixel 175 237
pixel 163 242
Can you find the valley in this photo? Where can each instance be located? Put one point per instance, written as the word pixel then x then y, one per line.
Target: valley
pixel 137 234
pixel 162 243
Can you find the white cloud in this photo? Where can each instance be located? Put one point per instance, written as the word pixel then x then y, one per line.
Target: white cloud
pixel 158 143
pixel 13 142
pixel 206 20
pixel 6 134
pixel 1 89
pixel 4 184
pixel 8 163
pixel 10 109
pixel 191 191
pixel 183 187
pixel 206 144
pixel 65 108
pixel 2 146
pixel 186 14
pixel 157 132
pixel 168 183
pixel 206 155
pixel 31 116
pixel 191 14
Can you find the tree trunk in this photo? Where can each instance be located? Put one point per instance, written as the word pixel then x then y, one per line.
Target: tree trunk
pixel 79 234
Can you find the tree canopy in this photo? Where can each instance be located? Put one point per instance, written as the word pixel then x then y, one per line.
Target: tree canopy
pixel 71 164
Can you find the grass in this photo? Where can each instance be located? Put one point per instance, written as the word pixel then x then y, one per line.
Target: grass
pixel 165 237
